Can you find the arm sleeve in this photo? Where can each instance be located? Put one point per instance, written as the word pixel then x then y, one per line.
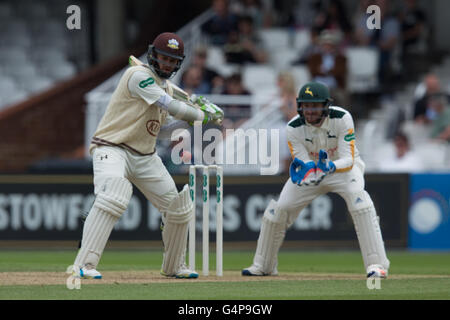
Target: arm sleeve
pixel 296 146
pixel 346 145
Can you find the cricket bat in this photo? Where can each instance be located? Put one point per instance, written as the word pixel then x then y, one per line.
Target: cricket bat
pixel 178 93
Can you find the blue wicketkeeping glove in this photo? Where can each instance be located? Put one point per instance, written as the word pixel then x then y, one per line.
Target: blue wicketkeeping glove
pixel 324 166
pixel 303 174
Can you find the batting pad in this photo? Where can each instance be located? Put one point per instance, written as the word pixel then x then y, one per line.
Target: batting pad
pixel 175 231
pixel 369 235
pixel 271 236
pixel 108 207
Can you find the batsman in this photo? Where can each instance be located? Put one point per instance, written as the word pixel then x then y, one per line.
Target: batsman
pixel 321 139
pixel 141 109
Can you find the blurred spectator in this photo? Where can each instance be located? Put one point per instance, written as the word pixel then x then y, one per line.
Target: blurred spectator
pixel 236 114
pixel 386 39
pixel 214 80
pixel 414 27
pixel 253 8
pixel 403 159
pixel 304 12
pixel 439 112
pixel 288 94
pixel 432 86
pixel 192 81
pixel 286 104
pixel 333 17
pixel 329 66
pixel 221 24
pixel 413 22
pixel 243 45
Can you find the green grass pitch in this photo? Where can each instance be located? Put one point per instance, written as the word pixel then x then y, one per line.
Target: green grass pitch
pixel 310 275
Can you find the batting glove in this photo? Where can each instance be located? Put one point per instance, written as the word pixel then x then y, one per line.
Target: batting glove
pixel 212 111
pixel 303 174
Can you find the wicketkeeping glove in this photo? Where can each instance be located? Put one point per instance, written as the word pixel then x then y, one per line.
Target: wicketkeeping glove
pixel 303 174
pixel 212 112
pixel 324 166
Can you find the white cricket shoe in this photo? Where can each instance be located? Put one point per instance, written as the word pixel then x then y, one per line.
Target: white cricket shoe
pixel 255 271
pixel 376 271
pixel 85 273
pixel 183 273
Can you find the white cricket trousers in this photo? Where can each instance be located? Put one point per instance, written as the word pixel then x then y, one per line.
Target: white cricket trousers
pixel 147 173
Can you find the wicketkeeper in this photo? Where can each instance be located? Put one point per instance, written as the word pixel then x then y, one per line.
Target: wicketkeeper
pixel 123 150
pixel 325 159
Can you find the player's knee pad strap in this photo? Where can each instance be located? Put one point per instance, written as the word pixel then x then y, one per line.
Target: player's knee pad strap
pixel 180 210
pixel 114 196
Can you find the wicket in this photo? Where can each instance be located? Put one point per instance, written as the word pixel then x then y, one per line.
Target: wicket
pixel 205 223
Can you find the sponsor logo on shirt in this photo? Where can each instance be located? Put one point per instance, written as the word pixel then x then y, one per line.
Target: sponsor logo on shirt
pixel 153 127
pixel 146 82
pixel 349 137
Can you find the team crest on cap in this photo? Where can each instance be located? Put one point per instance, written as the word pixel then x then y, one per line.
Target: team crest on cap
pixel 173 44
pixel 308 91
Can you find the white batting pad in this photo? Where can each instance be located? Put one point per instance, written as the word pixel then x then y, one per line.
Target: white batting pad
pixel 271 236
pixel 175 240
pixel 111 201
pixel 175 231
pixel 369 235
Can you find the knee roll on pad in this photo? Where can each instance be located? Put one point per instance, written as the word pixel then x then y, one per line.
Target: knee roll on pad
pixel 114 196
pixel 181 209
pixel 358 201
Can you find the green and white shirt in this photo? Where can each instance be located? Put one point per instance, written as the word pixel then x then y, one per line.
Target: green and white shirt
pixel 336 136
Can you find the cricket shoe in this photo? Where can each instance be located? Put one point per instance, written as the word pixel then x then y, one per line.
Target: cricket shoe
pixel 85 273
pixel 183 273
pixel 255 271
pixel 376 271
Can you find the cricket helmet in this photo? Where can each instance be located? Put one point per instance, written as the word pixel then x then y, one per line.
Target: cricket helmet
pixel 168 44
pixel 314 92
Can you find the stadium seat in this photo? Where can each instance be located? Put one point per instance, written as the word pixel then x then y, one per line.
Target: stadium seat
pixel 12 55
pixel 302 40
pixel 259 77
pixel 21 40
pixel 13 97
pixel 301 75
pixel 283 58
pixel 275 38
pixel 215 57
pixel 7 85
pixel 363 69
pixel 47 55
pixel 20 71
pixel 36 84
pixel 59 71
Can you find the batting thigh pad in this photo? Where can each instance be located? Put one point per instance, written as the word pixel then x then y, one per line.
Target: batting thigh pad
pixel 271 236
pixel 110 203
pixel 368 230
pixel 175 232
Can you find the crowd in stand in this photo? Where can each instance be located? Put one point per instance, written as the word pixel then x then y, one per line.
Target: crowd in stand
pixel 333 26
